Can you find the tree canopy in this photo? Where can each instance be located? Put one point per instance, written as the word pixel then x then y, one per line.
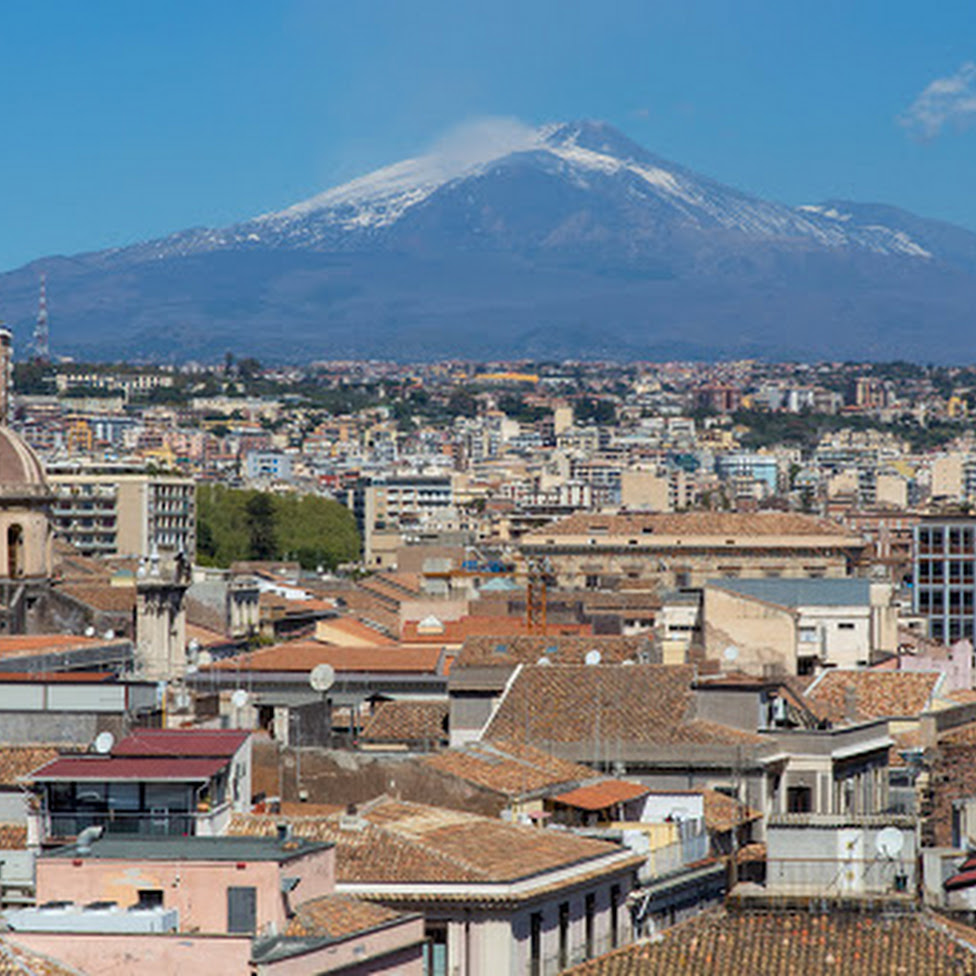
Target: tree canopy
pixel 234 524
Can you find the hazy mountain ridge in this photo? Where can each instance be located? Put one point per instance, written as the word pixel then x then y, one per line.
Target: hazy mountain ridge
pixel 572 239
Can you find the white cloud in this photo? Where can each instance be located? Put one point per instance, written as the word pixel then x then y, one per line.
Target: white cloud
pixel 945 101
pixel 481 140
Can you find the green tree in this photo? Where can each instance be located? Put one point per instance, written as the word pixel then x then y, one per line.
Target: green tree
pixel 261 527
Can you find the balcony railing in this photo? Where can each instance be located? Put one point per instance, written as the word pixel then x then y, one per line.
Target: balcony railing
pixel 162 822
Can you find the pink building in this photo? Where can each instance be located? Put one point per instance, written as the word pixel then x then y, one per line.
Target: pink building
pixel 217 904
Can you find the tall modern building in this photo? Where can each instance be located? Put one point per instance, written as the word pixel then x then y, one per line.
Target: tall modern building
pixel 944 576
pixel 115 510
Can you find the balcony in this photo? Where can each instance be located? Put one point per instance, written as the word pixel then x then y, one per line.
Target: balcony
pixel 159 822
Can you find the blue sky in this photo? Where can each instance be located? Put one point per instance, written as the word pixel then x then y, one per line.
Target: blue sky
pixel 128 120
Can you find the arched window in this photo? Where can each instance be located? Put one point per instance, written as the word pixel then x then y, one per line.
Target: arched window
pixel 15 551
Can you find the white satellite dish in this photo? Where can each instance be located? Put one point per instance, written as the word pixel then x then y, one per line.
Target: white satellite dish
pixel 322 677
pixel 104 742
pixel 89 631
pixel 889 842
pixel 239 698
pixel 109 634
pixel 544 662
pixel 593 657
pixel 730 653
pixel 204 659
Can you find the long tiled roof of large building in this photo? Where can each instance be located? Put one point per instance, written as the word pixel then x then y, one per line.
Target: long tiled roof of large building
pixel 685 524
pixel 394 842
pixel 790 943
pixel 528 649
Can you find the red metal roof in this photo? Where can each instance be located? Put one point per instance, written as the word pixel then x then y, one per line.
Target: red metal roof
pixel 965 879
pixel 181 742
pixel 599 796
pixel 106 768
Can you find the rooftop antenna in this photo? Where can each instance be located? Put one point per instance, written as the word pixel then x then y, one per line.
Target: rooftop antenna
pixel 41 333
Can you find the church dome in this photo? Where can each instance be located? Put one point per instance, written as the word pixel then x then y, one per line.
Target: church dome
pixel 21 470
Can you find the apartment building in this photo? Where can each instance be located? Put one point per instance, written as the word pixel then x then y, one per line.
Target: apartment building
pixel 944 576
pixel 682 550
pixel 123 511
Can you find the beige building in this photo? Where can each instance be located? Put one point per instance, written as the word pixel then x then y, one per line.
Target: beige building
pixel 782 626
pixel 683 550
pixel 121 511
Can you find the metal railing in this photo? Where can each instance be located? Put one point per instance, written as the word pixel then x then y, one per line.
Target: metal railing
pixel 833 876
pixel 166 823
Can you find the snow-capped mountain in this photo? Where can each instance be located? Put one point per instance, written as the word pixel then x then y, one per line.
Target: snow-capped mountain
pixel 566 240
pixel 588 156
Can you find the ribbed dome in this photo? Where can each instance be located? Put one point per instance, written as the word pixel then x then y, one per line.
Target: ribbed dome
pixel 20 467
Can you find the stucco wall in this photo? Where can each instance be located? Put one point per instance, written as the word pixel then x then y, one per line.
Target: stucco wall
pixel 763 634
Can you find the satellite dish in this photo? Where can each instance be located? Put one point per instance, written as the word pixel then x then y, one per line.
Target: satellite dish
pixel 593 657
pixel 204 659
pixel 889 842
pixel 730 653
pixel 89 631
pixel 239 698
pixel 104 742
pixel 193 646
pixel 544 662
pixel 322 677
pixel 109 634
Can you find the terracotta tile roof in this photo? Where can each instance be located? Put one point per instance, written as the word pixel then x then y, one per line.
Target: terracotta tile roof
pixel 408 721
pixel 458 631
pixel 338 917
pixel 723 813
pixel 648 703
pixel 204 636
pixel 743 525
pixel 305 655
pixel 17 761
pixel 105 597
pixel 13 837
pixel 599 796
pixel 356 629
pixel 397 842
pixel 790 943
pixel 20 645
pixel 507 767
pixel 493 650
pixel 864 695
pixel 17 961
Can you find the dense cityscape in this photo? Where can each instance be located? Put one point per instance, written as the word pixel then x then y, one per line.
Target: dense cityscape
pixel 486 667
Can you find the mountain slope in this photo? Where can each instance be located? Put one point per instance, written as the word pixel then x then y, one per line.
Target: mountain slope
pixel 568 240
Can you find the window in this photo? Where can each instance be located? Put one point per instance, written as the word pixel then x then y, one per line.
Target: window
pixel 590 913
pixel 564 935
pixel 242 906
pixel 150 898
pixel 592 581
pixel 535 944
pixel 845 625
pixel 614 907
pixel 799 799
pixel 435 951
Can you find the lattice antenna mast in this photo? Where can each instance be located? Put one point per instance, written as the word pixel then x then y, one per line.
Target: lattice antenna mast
pixel 41 334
